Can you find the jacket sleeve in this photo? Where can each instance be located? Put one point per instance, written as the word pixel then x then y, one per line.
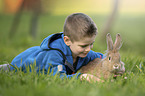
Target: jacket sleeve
pixel 55 65
pixel 92 55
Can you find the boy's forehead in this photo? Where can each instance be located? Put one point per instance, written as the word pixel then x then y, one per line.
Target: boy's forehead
pixel 86 40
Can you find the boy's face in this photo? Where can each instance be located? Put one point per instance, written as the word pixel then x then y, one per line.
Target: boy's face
pixel 81 48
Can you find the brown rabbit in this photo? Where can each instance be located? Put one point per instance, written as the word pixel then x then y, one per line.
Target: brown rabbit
pixel 111 65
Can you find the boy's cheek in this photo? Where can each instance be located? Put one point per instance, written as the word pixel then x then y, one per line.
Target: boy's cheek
pixel 81 50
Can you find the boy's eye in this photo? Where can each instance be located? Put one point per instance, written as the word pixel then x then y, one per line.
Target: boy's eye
pixel 84 46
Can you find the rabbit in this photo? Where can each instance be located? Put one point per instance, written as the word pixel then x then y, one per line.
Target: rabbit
pixel 109 66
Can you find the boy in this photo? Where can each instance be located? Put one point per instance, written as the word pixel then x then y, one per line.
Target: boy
pixel 64 53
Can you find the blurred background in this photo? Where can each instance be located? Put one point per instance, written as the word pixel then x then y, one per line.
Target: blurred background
pixel 25 23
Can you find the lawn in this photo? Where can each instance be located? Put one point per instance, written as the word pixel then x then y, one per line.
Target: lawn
pixel 132 52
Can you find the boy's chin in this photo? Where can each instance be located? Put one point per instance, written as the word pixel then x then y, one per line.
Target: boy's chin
pixel 83 55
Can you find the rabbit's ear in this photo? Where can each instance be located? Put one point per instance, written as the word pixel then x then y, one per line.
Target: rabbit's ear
pixel 117 44
pixel 109 42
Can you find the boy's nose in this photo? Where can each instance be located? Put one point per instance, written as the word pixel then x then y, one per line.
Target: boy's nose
pixel 88 48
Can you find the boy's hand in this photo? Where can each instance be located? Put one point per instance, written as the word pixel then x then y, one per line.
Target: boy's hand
pixel 90 78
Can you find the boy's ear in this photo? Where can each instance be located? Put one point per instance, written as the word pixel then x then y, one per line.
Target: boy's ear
pixel 67 40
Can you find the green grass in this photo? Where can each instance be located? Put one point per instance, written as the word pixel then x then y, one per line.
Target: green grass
pixel 29 84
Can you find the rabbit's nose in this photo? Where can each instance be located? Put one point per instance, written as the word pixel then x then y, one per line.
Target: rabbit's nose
pixel 116 66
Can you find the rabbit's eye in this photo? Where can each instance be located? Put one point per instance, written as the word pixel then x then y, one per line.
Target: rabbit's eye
pixel 109 58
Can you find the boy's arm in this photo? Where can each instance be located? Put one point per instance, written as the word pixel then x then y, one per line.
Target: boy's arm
pixel 92 55
pixel 55 62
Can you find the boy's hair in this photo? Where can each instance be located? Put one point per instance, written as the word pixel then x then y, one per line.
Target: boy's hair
pixel 78 25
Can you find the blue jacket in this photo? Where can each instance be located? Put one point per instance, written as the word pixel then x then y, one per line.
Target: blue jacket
pixel 50 60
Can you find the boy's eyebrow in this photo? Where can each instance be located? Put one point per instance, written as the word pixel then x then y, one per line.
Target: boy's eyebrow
pixel 87 44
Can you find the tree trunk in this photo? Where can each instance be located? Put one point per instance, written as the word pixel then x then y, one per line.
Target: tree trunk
pixel 110 21
pixel 16 21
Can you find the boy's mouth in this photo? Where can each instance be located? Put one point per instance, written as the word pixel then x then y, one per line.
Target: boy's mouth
pixel 85 53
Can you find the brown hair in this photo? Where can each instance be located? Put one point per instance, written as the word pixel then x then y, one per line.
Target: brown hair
pixel 78 25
